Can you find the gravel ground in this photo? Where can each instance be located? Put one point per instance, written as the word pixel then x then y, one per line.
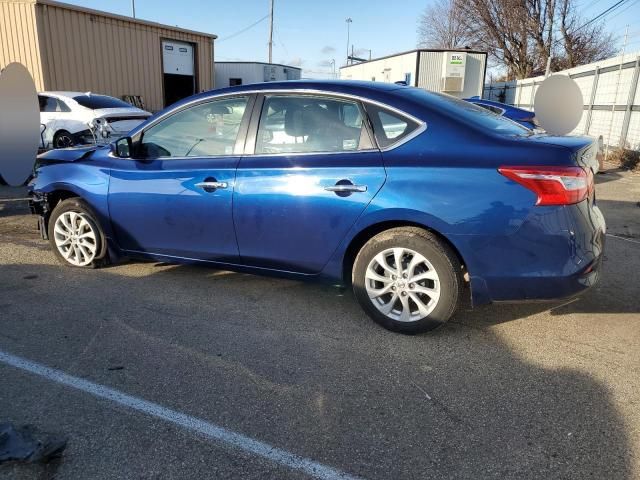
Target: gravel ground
pixel 504 391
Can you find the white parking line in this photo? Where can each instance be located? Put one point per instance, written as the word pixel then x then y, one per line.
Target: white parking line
pixel 209 430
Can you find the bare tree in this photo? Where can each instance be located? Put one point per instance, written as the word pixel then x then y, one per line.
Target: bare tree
pixel 581 42
pixel 440 26
pixel 519 35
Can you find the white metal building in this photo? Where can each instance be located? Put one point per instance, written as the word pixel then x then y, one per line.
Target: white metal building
pixel 457 72
pixel 228 74
pixel 611 95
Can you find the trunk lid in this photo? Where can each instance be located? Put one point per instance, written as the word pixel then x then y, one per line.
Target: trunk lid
pixel 585 150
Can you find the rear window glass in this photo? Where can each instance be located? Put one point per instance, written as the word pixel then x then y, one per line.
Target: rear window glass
pixel 389 127
pixel 467 112
pixel 101 101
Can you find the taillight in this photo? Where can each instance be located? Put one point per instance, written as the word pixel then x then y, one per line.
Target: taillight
pixel 553 185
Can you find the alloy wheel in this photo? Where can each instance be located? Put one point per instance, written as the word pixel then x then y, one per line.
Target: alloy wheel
pixel 64 141
pixel 75 238
pixel 402 284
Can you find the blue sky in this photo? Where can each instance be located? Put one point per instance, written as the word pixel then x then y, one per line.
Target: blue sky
pixel 311 33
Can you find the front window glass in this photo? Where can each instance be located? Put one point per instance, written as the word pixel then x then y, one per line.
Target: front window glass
pixel 208 129
pixel 302 124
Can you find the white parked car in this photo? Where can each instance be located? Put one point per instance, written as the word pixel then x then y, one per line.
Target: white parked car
pixel 77 118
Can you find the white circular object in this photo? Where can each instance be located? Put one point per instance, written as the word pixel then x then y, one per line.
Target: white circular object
pixel 19 124
pixel 558 104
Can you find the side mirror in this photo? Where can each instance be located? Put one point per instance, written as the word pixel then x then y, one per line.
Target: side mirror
pixel 123 147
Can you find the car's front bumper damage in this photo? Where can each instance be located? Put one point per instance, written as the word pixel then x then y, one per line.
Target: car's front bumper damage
pixel 39 205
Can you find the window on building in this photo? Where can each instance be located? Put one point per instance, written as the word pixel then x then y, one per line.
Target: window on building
pixel 389 127
pixel 303 124
pixel 208 129
pixel 234 82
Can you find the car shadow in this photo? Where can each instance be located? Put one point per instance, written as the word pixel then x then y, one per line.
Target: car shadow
pixel 457 403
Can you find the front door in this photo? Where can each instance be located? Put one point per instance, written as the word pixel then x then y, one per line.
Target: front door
pixel 175 197
pixel 313 171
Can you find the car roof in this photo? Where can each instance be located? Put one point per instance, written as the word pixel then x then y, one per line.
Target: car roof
pixel 327 85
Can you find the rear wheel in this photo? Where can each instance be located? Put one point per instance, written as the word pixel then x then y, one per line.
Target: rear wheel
pixel 407 280
pixel 75 235
pixel 63 139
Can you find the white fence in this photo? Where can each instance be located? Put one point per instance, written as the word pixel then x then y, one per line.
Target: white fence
pixel 611 98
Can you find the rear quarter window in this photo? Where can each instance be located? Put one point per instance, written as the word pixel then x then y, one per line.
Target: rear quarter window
pixel 390 127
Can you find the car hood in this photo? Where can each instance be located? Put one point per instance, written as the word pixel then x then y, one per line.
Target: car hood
pixel 73 154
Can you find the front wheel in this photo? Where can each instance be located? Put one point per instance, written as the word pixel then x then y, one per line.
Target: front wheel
pixel 407 280
pixel 75 235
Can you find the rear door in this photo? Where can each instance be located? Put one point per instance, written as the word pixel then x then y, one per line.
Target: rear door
pixel 175 197
pixel 309 170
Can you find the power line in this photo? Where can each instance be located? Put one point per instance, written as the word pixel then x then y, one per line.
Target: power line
pixel 624 9
pixel 607 11
pixel 239 32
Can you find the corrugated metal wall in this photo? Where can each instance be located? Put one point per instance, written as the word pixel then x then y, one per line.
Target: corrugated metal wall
pixel 430 73
pixel 610 92
pixel 387 69
pixel 86 51
pixel 19 38
pixel 251 72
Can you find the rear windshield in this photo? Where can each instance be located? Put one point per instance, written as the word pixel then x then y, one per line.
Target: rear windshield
pixel 95 102
pixel 468 112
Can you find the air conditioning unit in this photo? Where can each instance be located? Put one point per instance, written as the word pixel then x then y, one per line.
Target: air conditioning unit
pixel 453 70
pixel 453 84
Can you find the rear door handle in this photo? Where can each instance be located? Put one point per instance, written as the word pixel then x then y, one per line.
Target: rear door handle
pixel 345 187
pixel 211 185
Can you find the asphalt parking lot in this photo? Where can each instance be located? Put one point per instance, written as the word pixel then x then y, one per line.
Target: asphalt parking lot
pixel 503 391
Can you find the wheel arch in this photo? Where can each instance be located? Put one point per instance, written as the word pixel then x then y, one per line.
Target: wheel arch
pixel 367 233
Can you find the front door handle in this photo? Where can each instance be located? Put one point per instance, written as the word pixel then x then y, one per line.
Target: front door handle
pixel 344 188
pixel 211 185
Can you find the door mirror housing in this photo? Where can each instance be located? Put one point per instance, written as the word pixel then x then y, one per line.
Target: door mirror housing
pixel 122 147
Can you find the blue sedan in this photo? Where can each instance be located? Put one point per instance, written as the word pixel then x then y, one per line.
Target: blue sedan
pixel 415 199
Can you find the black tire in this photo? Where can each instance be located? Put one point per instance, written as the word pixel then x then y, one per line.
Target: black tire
pixel 437 253
pixel 63 139
pixel 79 206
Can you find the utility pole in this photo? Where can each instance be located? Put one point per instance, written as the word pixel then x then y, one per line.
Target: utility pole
pixel 133 7
pixel 615 96
pixel 271 34
pixel 349 22
pixel 548 70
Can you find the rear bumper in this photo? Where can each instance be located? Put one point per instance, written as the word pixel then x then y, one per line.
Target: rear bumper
pixel 557 253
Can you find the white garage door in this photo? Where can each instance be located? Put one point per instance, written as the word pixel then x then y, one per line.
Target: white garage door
pixel 177 58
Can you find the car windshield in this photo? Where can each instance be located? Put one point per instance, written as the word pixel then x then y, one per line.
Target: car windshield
pixel 469 112
pixel 95 102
